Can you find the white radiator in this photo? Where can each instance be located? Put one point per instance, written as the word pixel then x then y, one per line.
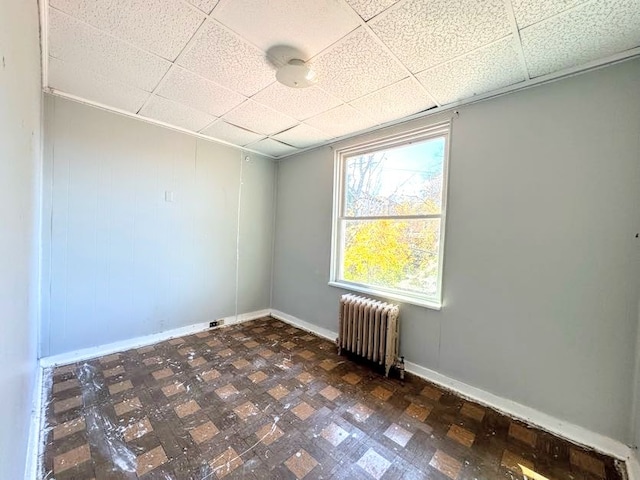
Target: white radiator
pixel 370 329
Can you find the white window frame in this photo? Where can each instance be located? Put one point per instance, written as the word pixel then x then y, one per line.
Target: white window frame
pixel 396 140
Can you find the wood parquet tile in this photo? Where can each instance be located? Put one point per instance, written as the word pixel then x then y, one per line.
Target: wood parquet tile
pixel 264 400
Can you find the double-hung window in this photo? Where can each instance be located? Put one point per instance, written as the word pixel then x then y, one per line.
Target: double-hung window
pixel 389 214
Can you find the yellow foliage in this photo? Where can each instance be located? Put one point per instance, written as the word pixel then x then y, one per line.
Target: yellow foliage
pixel 375 252
pixel 392 253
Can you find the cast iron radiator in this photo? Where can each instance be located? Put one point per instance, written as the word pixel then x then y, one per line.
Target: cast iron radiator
pixel 370 329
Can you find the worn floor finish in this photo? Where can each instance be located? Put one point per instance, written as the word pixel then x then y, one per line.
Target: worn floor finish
pixel 265 400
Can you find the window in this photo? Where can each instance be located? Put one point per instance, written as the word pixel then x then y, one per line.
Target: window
pixel 389 214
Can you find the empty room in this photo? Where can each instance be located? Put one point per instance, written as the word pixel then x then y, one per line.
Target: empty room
pixel 319 239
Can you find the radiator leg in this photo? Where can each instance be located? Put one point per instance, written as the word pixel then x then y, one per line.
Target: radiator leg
pixel 401 368
pixel 338 345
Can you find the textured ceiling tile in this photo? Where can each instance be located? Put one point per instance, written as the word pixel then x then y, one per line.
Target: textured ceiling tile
pixel 258 118
pixel 591 31
pixel 230 133
pixel 271 147
pixel 481 71
pixel 176 114
pixel 423 34
pixel 341 121
pixel 309 26
pixel 205 5
pixel 298 103
pixel 161 26
pixel 70 78
pixel 302 136
pixel 395 101
pixel 195 91
pixel 75 42
pixel 528 12
pixel 370 8
pixel 224 58
pixel 356 66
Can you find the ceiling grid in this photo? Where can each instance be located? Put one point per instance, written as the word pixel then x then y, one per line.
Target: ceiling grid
pixel 516 35
pixel 366 26
pixel 187 45
pixel 208 66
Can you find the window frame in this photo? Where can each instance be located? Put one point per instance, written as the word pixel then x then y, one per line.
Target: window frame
pixel 396 140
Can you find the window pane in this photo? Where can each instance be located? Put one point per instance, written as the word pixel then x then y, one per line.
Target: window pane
pixel 397 254
pixel 405 180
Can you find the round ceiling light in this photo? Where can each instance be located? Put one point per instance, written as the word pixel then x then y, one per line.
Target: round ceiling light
pixel 296 74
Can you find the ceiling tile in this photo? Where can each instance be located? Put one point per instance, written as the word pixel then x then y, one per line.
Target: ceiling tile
pixel 298 103
pixel 176 114
pixel 205 5
pixel 341 121
pixel 221 56
pixel 195 91
pixel 308 26
pixel 161 26
pixel 230 133
pixel 528 12
pixel 480 71
pixel 395 101
pixel 302 136
pixel 70 78
pixel 423 34
pixel 75 42
pixel 356 66
pixel 258 118
pixel 271 147
pixel 368 9
pixel 591 31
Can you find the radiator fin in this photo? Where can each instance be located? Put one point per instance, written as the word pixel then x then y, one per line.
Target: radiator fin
pixel 370 329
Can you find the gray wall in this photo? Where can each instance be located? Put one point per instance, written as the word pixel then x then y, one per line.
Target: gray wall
pixel 121 261
pixel 541 274
pixel 20 106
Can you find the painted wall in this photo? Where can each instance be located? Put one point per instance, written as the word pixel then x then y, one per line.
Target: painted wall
pixel 122 261
pixel 541 272
pixel 20 166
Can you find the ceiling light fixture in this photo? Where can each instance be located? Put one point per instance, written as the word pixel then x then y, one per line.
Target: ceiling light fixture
pixel 296 74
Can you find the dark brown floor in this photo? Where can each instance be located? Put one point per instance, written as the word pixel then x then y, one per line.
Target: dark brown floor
pixel 265 400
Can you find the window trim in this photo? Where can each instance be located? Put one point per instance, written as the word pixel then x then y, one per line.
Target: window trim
pixel 396 140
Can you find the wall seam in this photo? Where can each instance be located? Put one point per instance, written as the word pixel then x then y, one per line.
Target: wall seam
pixel 276 172
pixel 239 219
pixel 50 266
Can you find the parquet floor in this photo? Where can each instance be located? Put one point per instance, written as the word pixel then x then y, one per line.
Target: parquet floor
pixel 263 400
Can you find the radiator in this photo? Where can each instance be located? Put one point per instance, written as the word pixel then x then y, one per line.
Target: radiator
pixel 370 329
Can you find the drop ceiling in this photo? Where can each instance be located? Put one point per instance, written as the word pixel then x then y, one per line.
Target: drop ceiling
pixel 208 66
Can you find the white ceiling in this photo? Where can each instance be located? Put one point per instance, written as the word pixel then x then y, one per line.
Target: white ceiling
pixel 207 66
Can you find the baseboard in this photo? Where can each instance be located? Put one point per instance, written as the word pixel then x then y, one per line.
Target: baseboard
pixel 121 346
pixel 245 317
pixel 574 433
pixel 309 327
pixel 633 466
pixel 527 414
pixel 564 429
pixel 35 426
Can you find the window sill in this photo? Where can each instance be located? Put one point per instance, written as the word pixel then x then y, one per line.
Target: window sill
pixel 421 302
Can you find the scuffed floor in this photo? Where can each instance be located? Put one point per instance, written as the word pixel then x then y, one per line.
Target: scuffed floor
pixel 265 400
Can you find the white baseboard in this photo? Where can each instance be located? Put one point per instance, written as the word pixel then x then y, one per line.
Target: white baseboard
pixel 245 317
pixel 633 466
pixel 121 346
pixel 527 414
pixel 35 426
pixel 309 327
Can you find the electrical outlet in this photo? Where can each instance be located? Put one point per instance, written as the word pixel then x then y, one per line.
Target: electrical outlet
pixel 216 323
